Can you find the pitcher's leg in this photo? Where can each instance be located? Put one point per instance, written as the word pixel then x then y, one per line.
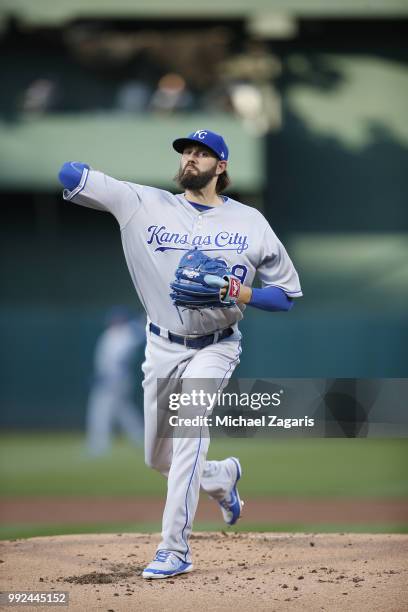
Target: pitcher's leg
pixel 183 489
pixel 164 362
pixel 208 370
pixel 158 450
pixel 216 478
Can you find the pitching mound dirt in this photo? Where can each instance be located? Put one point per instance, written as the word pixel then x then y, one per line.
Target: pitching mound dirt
pixel 237 572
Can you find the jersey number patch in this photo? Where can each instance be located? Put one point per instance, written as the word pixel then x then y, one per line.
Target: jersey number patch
pixel 238 270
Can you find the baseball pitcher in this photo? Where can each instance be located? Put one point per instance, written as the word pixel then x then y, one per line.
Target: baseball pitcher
pixel 192 257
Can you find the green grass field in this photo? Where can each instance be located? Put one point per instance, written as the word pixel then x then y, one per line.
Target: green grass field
pixel 11 531
pixel 56 464
pixel 53 464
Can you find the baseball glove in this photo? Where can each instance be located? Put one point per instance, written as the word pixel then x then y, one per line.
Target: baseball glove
pixel 199 282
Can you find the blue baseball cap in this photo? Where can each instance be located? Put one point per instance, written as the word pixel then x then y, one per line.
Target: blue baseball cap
pixel 213 141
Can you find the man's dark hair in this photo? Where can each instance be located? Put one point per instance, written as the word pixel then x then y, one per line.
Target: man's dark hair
pixel 222 182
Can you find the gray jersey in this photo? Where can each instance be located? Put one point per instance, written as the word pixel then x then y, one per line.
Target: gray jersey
pixel 157 227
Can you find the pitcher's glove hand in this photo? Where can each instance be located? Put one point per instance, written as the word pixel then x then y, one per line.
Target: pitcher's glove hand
pixel 204 282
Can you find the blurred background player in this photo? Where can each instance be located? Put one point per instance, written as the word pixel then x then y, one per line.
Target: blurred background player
pixel 111 400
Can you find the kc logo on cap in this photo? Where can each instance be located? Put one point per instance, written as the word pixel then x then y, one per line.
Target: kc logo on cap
pixel 213 141
pixel 201 134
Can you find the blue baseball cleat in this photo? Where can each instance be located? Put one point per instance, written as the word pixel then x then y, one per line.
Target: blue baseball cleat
pixel 164 565
pixel 231 505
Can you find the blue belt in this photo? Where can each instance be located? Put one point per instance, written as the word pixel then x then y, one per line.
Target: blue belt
pixel 195 342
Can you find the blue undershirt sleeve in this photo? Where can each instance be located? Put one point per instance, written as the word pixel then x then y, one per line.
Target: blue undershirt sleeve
pixel 272 299
pixel 71 174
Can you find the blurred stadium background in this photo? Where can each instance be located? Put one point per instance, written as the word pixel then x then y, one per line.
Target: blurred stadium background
pixel 312 98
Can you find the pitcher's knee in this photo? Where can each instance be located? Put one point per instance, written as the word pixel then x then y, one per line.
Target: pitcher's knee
pixel 157 463
pixel 150 463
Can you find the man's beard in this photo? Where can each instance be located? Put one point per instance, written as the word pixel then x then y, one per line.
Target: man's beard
pixel 194 181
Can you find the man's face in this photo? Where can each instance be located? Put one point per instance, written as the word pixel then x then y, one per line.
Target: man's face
pixel 198 167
